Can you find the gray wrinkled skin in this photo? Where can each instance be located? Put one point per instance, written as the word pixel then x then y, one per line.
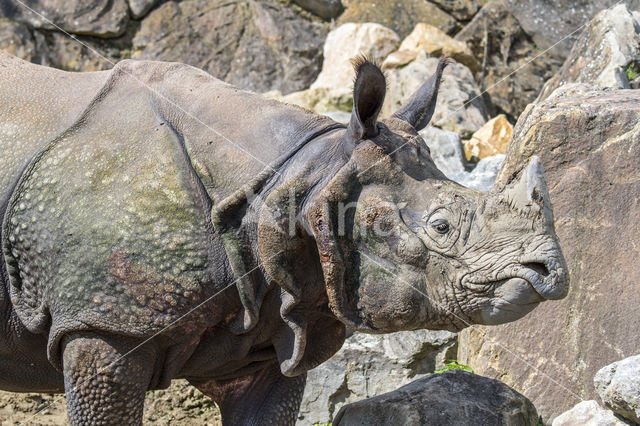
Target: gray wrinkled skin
pixel 158 223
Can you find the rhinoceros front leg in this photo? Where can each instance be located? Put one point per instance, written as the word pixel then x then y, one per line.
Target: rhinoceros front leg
pixel 265 398
pixel 104 384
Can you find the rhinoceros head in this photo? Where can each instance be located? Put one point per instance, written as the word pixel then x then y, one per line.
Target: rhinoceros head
pixel 402 247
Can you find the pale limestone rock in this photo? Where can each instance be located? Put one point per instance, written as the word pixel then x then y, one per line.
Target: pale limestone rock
pixel 587 413
pixel 618 385
pixel 437 43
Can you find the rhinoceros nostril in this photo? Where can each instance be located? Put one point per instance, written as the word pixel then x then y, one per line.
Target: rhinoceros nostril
pixel 539 267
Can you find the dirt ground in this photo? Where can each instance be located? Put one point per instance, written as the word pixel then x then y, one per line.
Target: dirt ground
pixel 180 404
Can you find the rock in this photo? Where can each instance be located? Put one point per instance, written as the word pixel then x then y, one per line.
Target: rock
pixel 140 8
pixel 100 18
pixel 17 39
pixel 369 365
pixel 460 108
pixel 635 84
pixel 602 52
pixel 399 15
pixel 452 398
pixel 462 10
pixel 482 177
pixel 589 143
pixel 446 151
pixel 514 71
pixel 618 385
pixel 57 50
pixel 259 46
pixel 447 154
pixel 332 89
pixel 339 116
pixel 556 24
pixel 437 43
pixel 587 413
pixel 492 138
pixel 326 9
pixel 399 58
pixel 345 43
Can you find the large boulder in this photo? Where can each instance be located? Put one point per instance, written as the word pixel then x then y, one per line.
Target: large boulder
pixel 259 46
pixel 369 365
pixel 451 398
pixel 513 70
pixel 603 51
pixel 460 108
pixel 436 43
pixel 589 143
pixel 101 18
pixel 588 413
pixel 556 24
pixel 399 15
pixel 618 385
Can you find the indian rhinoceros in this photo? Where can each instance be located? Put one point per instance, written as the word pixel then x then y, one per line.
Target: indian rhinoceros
pixel 158 223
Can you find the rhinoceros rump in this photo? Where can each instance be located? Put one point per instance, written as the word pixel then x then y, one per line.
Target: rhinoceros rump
pixel 158 223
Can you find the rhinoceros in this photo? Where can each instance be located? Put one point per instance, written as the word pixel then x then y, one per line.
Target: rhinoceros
pixel 158 223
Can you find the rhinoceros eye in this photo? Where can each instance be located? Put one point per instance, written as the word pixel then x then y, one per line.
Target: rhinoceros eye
pixel 440 225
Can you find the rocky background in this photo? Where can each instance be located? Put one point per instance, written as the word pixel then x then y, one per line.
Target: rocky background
pixel 563 72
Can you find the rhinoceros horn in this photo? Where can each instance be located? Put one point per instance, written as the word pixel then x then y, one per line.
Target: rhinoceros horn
pixel 420 107
pixel 529 192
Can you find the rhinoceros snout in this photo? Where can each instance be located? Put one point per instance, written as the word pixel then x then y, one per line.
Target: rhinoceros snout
pixel 547 275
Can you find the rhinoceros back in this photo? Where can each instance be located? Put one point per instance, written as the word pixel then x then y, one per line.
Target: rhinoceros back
pixel 36 104
pixel 106 229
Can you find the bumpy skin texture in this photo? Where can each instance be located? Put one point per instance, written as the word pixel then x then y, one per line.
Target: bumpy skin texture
pixel 158 223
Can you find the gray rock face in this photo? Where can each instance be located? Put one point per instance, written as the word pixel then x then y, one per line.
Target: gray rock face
pixel 139 8
pixel 589 142
pixel 509 48
pixel 588 413
pixel 618 385
pixel 451 398
pixel 369 365
pixel 548 22
pixel 609 44
pixel 259 46
pixel 446 150
pixel 462 10
pixel 17 39
pixel 326 9
pixel 101 18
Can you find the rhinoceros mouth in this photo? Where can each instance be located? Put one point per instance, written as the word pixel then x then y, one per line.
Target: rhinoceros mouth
pixel 509 299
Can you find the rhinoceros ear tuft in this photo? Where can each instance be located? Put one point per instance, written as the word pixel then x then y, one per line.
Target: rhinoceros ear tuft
pixel 369 89
pixel 420 107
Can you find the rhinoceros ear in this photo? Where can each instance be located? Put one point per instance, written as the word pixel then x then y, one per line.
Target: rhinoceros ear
pixel 420 107
pixel 369 89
